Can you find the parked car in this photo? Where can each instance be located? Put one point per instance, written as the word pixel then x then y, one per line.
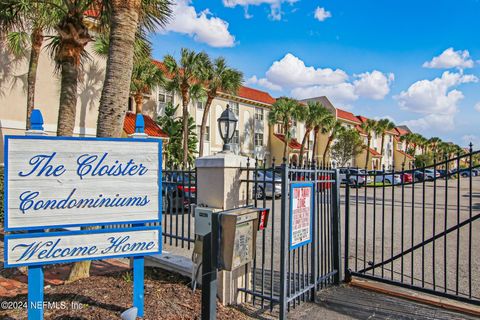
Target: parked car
pixel 466 172
pixel 443 173
pixel 431 174
pixel 385 177
pixel 269 184
pixel 406 177
pixel 357 178
pixel 179 191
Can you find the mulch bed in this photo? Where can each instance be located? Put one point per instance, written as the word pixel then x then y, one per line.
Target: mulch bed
pixel 167 296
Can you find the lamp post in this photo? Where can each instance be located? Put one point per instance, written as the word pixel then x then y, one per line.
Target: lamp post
pixel 227 123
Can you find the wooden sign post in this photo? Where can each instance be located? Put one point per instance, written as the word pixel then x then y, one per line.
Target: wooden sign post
pixel 70 182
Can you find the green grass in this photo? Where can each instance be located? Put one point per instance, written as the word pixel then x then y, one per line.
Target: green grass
pixel 378 184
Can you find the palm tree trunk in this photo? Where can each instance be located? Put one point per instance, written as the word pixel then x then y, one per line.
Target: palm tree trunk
pixel 327 148
pixel 185 130
pixel 37 40
pixel 138 103
pixel 381 150
pixel 68 98
pixel 285 146
pixel 116 88
pixel 304 141
pixel 206 110
pixel 315 136
pixel 368 153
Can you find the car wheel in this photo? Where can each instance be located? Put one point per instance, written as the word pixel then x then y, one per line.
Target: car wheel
pixel 464 175
pixel 388 181
pixel 260 194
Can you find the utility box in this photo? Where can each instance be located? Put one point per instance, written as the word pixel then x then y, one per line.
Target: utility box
pixel 238 233
pixel 238 236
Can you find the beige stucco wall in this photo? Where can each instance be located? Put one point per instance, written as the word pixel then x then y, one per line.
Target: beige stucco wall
pixel 13 94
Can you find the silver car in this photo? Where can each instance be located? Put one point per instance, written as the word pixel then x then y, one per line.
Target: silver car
pixel 269 184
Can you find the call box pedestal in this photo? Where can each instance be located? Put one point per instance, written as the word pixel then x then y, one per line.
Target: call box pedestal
pixel 219 186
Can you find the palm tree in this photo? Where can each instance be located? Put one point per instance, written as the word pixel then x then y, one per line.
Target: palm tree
pixel 123 19
pixel 127 20
pixel 383 126
pixel 407 139
pixel 25 22
pixel 312 114
pixel 219 77
pixel 433 144
pixel 284 111
pixel 145 76
pixel 369 127
pixel 333 127
pixel 187 81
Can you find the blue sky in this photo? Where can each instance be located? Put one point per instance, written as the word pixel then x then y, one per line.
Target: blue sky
pixel 417 62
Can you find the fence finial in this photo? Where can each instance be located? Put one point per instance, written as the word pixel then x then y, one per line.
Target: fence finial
pixel 36 120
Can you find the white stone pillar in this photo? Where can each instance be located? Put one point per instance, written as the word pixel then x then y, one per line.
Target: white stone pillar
pixel 219 186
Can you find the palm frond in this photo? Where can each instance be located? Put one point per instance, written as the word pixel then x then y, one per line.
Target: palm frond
pixel 18 42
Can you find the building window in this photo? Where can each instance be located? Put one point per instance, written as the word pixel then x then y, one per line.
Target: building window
pixel 236 138
pixel 234 107
pixel 164 97
pixel 200 105
pixel 258 139
pixel 279 129
pixel 259 114
pixel 207 133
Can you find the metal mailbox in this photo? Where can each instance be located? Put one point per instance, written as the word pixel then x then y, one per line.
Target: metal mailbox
pixel 237 232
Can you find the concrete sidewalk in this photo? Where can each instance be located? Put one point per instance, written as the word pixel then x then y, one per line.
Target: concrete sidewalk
pixel 346 302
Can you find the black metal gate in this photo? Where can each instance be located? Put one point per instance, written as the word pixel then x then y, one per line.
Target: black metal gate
pixel 280 275
pixel 417 228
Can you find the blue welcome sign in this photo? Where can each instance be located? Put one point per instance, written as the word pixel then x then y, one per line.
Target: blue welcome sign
pixel 69 182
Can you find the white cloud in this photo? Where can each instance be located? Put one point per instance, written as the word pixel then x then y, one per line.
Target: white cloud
pixel 321 14
pixel 202 26
pixel 435 96
pixel 440 122
pixel 436 100
pixel 290 71
pixel 275 6
pixel 451 59
pixel 342 93
pixel 263 82
pixel 477 106
pixel 374 85
pixel 475 140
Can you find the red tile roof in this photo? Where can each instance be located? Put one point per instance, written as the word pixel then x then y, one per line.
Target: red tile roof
pixel 345 115
pixel 255 95
pixel 401 131
pixel 375 153
pixel 151 128
pixel 293 144
pixel 362 119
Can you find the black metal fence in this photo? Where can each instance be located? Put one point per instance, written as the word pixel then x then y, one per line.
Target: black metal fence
pixel 281 276
pixel 420 229
pixel 179 192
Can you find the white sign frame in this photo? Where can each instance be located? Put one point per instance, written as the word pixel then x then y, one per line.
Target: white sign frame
pixel 106 216
pixel 81 239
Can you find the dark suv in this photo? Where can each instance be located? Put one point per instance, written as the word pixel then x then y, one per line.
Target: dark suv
pixel 179 192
